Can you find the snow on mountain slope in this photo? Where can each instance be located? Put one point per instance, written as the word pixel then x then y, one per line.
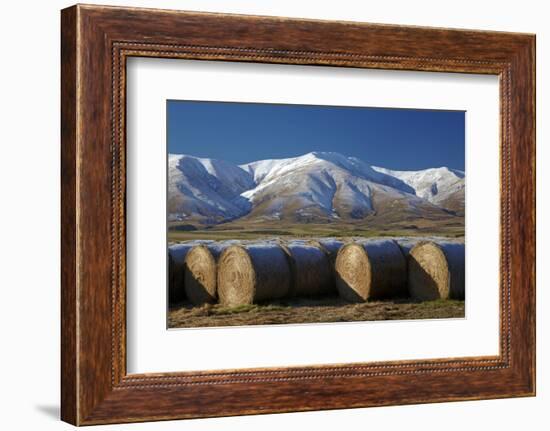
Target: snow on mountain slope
pixel 206 189
pixel 321 185
pixel 441 186
pixel 318 186
pixel 268 170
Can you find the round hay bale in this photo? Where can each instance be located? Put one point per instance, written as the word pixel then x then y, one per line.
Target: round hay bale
pixel 176 271
pixel 436 270
pixel 252 273
pixel 201 272
pixel 371 269
pixel 310 269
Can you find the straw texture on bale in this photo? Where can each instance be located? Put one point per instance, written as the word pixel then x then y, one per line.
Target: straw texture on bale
pixel 371 269
pixel 436 270
pixel 310 269
pixel 201 272
pixel 176 271
pixel 252 273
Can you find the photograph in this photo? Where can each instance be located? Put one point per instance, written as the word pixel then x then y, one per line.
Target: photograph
pixel 292 214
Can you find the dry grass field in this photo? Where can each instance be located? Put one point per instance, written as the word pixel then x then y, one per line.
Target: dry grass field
pixel 452 228
pixel 292 311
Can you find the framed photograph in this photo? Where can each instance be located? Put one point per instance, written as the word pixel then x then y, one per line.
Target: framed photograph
pixel 266 215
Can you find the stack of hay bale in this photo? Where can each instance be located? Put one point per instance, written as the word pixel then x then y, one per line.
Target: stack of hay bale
pixel 248 272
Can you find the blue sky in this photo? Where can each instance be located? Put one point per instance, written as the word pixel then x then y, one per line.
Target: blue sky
pixel 406 139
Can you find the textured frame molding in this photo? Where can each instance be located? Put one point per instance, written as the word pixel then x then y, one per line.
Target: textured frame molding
pixel 96 41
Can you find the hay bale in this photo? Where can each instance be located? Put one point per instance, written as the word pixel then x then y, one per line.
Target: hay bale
pixel 371 269
pixel 436 270
pixel 176 271
pixel 201 272
pixel 176 268
pixel 310 269
pixel 252 273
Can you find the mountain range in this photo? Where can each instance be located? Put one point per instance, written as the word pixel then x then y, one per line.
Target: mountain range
pixel 317 187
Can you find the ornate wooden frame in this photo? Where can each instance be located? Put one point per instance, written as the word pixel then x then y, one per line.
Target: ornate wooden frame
pixel 95 43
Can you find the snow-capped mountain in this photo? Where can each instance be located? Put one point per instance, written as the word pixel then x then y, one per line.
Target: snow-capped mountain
pixel 317 186
pixel 206 190
pixel 443 187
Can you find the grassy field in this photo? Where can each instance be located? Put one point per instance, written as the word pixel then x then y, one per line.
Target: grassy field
pixel 299 310
pixel 246 230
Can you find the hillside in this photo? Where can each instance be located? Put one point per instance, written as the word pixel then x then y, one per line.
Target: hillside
pixel 318 188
